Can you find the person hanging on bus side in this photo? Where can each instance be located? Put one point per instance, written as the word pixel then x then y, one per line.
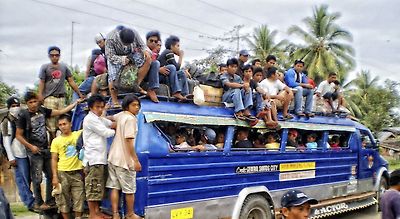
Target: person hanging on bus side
pixel 123 162
pixel 311 141
pixel 237 92
pixel 296 79
pixel 296 205
pixel 96 130
pixel 265 110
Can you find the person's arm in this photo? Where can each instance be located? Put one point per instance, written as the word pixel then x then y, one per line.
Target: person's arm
pixel 73 85
pixel 40 90
pixel 7 147
pixel 100 128
pixel 131 150
pixel 170 59
pixel 54 168
pixel 19 135
pixel 290 78
pixel 180 60
pixel 65 110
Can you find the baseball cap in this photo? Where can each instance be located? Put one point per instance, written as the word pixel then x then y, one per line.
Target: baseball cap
pixel 12 100
pixel 296 198
pixel 244 52
pixel 99 37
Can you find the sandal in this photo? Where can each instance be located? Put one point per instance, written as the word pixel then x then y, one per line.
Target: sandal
pixel 288 116
pixel 310 114
pixel 240 117
pixel 116 215
pixel 251 118
pixel 253 123
pixel 300 114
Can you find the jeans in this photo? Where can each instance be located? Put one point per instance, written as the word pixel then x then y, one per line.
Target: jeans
pixel 176 80
pixel 41 163
pixel 152 76
pixel 239 97
pixel 84 88
pixel 298 99
pixel 258 102
pixel 23 181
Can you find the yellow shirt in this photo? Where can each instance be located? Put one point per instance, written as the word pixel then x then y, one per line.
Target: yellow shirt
pixel 59 146
pixel 274 145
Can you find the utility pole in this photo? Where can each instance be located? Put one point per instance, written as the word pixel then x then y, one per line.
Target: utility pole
pixel 72 42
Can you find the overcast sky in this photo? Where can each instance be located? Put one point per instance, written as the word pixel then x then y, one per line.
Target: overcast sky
pixel 28 27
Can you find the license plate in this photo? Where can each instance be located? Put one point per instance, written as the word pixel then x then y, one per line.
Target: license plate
pixel 182 213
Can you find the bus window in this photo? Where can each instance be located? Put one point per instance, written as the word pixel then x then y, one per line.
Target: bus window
pixel 187 137
pixel 338 140
pixel 366 141
pixel 256 139
pixel 301 140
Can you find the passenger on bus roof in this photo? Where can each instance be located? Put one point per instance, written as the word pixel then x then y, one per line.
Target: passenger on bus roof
pixel 237 92
pixel 242 140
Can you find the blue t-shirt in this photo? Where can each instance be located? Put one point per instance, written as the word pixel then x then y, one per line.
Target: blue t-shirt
pixel 312 145
pixel 390 204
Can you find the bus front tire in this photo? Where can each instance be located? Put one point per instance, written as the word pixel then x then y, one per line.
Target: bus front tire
pixel 255 207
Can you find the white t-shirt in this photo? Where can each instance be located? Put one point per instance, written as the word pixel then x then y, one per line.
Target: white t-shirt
pixel 272 87
pixel 325 87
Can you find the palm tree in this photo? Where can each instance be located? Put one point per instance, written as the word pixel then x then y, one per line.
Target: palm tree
pixel 323 50
pixel 263 44
pixel 357 92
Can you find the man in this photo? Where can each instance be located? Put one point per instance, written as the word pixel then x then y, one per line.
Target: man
pixel 222 68
pixel 237 92
pixel 96 130
pixel 330 91
pixel 51 86
pixel 124 45
pixel 67 170
pixel 296 205
pixel 298 81
pixel 16 152
pixel 170 72
pixel 243 58
pixel 270 61
pixel 256 63
pixel 390 200
pixel 280 94
pixel 31 132
pixel 152 39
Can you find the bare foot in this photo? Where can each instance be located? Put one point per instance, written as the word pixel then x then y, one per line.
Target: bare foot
pixel 152 95
pixel 179 96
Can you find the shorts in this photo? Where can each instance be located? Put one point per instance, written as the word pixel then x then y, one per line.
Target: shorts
pixel 71 189
pixel 331 96
pixel 121 179
pixel 56 103
pixel 95 182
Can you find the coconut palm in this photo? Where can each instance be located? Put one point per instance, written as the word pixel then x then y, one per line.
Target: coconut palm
pixel 262 43
pixel 324 49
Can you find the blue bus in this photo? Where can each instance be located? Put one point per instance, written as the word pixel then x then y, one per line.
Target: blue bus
pixel 237 183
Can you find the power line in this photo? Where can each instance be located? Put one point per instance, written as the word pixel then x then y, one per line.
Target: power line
pixel 109 18
pixel 228 11
pixel 181 15
pixel 147 17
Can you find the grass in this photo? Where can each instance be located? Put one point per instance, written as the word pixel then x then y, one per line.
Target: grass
pixel 393 164
pixel 19 209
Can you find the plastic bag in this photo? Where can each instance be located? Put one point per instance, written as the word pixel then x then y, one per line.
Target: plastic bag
pixel 198 94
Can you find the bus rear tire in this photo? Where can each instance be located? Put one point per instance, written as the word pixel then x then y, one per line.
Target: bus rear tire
pixel 255 207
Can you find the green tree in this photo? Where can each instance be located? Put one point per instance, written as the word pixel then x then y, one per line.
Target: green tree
pixel 262 43
pixel 5 92
pixel 371 103
pixel 324 49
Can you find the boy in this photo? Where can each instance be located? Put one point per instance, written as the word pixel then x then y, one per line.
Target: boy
pixel 329 90
pixel 67 169
pixel 264 108
pixel 237 92
pixel 96 130
pixel 390 201
pixel 16 152
pixel 123 162
pixel 242 140
pixel 31 132
pixel 311 144
pixel 280 94
pixel 296 79
pixel 296 205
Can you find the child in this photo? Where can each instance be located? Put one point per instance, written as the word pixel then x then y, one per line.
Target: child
pixel 334 143
pixel 123 162
pixel 96 130
pixel 180 139
pixel 67 169
pixel 272 141
pixel 220 140
pixel 242 140
pixel 311 144
pixel 237 92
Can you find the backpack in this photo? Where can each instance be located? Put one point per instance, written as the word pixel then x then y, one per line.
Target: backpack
pixel 99 65
pixel 127 78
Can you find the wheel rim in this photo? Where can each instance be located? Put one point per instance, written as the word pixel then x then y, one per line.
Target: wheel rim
pixel 256 213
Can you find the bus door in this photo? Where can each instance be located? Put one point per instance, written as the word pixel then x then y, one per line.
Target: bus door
pixel 367 155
